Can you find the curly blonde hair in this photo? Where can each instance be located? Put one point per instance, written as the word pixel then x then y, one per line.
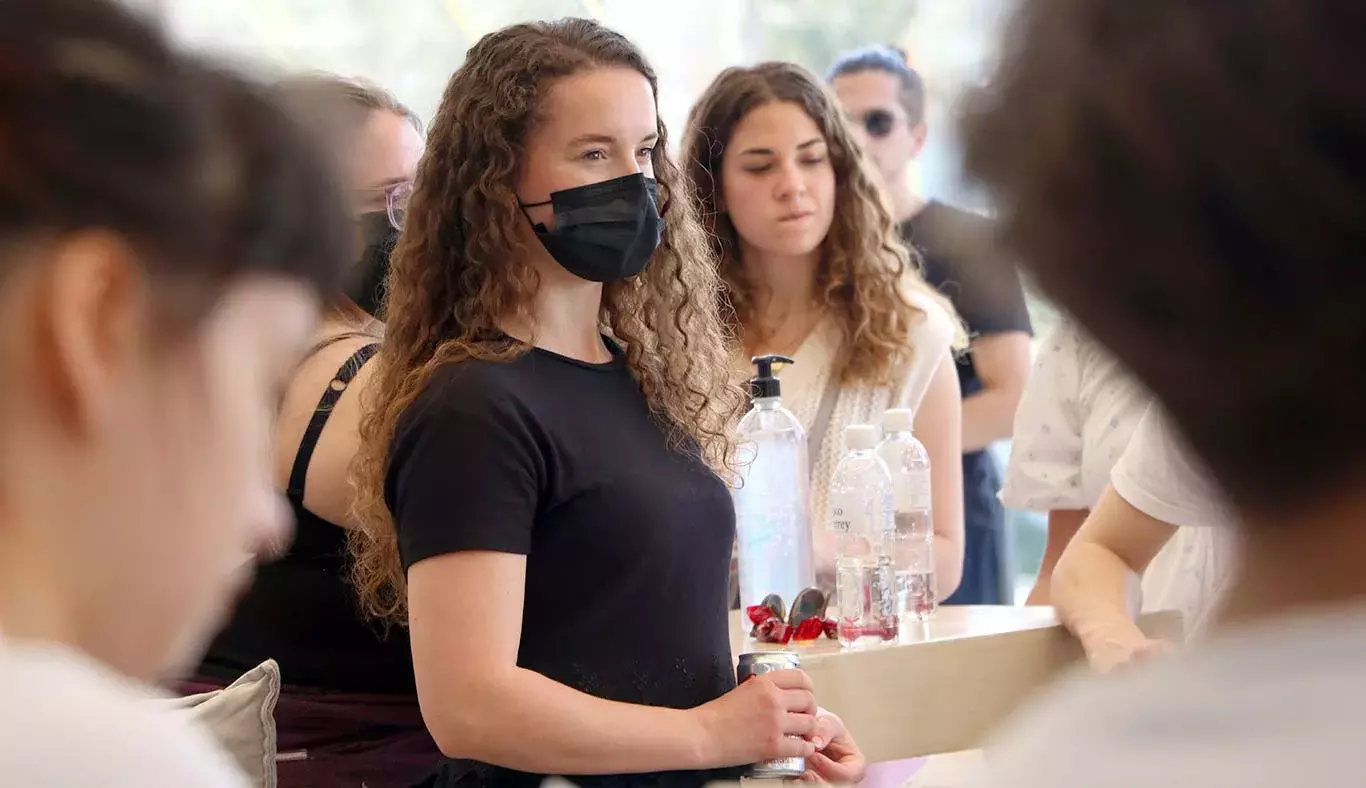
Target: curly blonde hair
pixel 866 271
pixel 461 266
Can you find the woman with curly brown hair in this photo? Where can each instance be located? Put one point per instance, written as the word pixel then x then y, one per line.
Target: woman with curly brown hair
pixel 815 270
pixel 541 469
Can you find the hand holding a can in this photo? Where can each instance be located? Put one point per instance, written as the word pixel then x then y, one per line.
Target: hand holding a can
pixel 766 717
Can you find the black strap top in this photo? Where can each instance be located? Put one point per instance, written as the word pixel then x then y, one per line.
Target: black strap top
pixel 301 611
pixel 298 474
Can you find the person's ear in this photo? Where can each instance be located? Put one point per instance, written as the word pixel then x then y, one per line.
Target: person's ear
pixel 93 325
pixel 918 134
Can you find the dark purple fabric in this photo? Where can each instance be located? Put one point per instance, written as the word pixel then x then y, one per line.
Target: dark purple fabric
pixel 346 740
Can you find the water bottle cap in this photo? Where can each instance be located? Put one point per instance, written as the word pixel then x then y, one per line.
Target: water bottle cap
pixel 860 437
pixel 898 420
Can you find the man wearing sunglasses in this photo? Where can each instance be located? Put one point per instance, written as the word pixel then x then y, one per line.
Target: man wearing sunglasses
pixel 885 102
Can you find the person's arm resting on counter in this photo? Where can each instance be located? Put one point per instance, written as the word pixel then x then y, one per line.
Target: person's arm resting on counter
pixel 1063 525
pixel 1091 581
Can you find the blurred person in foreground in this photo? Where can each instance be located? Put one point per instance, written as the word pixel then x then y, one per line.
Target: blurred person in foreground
pixel 885 100
pixel 164 232
pixel 347 713
pixel 1204 217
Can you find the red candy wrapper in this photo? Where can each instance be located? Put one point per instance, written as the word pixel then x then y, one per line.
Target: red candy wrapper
pixel 832 628
pixel 809 630
pixel 758 614
pixel 774 630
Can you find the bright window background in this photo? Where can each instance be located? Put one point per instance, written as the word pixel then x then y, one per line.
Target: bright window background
pixel 412 46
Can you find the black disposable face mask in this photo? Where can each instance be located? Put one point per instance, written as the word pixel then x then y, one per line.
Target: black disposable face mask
pixel 604 231
pixel 365 285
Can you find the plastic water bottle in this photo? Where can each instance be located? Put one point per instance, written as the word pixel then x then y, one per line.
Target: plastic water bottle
pixel 862 521
pixel 773 502
pixel 913 545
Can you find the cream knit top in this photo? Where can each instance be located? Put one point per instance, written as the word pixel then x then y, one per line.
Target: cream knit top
pixel 804 382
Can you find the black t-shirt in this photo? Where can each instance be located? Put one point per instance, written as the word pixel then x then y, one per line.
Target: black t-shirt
pixel 627 541
pixel 987 295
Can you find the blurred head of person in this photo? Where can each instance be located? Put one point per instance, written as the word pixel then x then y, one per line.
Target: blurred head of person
pixel 378 141
pixel 164 231
pixel 545 176
pixel 1204 216
pixel 780 178
pixel 884 99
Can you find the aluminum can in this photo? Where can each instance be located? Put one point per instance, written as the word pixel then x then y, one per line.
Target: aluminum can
pixel 757 664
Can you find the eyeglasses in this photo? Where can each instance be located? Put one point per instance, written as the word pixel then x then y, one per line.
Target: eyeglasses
pixel 878 123
pixel 395 201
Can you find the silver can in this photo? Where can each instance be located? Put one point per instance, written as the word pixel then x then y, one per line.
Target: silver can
pixel 757 664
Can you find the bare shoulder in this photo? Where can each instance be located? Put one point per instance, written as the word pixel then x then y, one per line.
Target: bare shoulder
pixel 68 721
pixel 315 373
pixel 311 380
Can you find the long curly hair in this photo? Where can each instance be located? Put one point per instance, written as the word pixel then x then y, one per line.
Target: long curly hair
pixel 866 271
pixel 461 266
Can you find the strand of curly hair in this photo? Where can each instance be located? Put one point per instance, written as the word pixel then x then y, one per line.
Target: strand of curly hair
pixel 459 269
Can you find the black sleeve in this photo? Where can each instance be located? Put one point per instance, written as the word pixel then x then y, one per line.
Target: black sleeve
pixel 464 474
pixel 982 283
pixel 991 299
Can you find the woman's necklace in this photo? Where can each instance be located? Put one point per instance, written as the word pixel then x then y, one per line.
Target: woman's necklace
pixel 788 336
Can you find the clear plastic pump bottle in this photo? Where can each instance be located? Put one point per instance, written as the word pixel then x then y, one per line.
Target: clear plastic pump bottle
pixel 773 502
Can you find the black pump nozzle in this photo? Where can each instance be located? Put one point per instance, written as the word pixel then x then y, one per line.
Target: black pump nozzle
pixel 765 384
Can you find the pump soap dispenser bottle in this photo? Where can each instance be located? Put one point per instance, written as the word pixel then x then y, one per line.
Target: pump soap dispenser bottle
pixel 773 502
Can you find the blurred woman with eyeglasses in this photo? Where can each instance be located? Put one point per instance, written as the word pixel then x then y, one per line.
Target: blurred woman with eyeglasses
pixel 884 99
pixel 348 713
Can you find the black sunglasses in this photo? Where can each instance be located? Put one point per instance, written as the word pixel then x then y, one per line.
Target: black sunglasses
pixel 878 123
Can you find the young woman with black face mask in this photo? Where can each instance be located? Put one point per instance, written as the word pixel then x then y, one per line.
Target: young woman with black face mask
pixel 348 713
pixel 541 473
